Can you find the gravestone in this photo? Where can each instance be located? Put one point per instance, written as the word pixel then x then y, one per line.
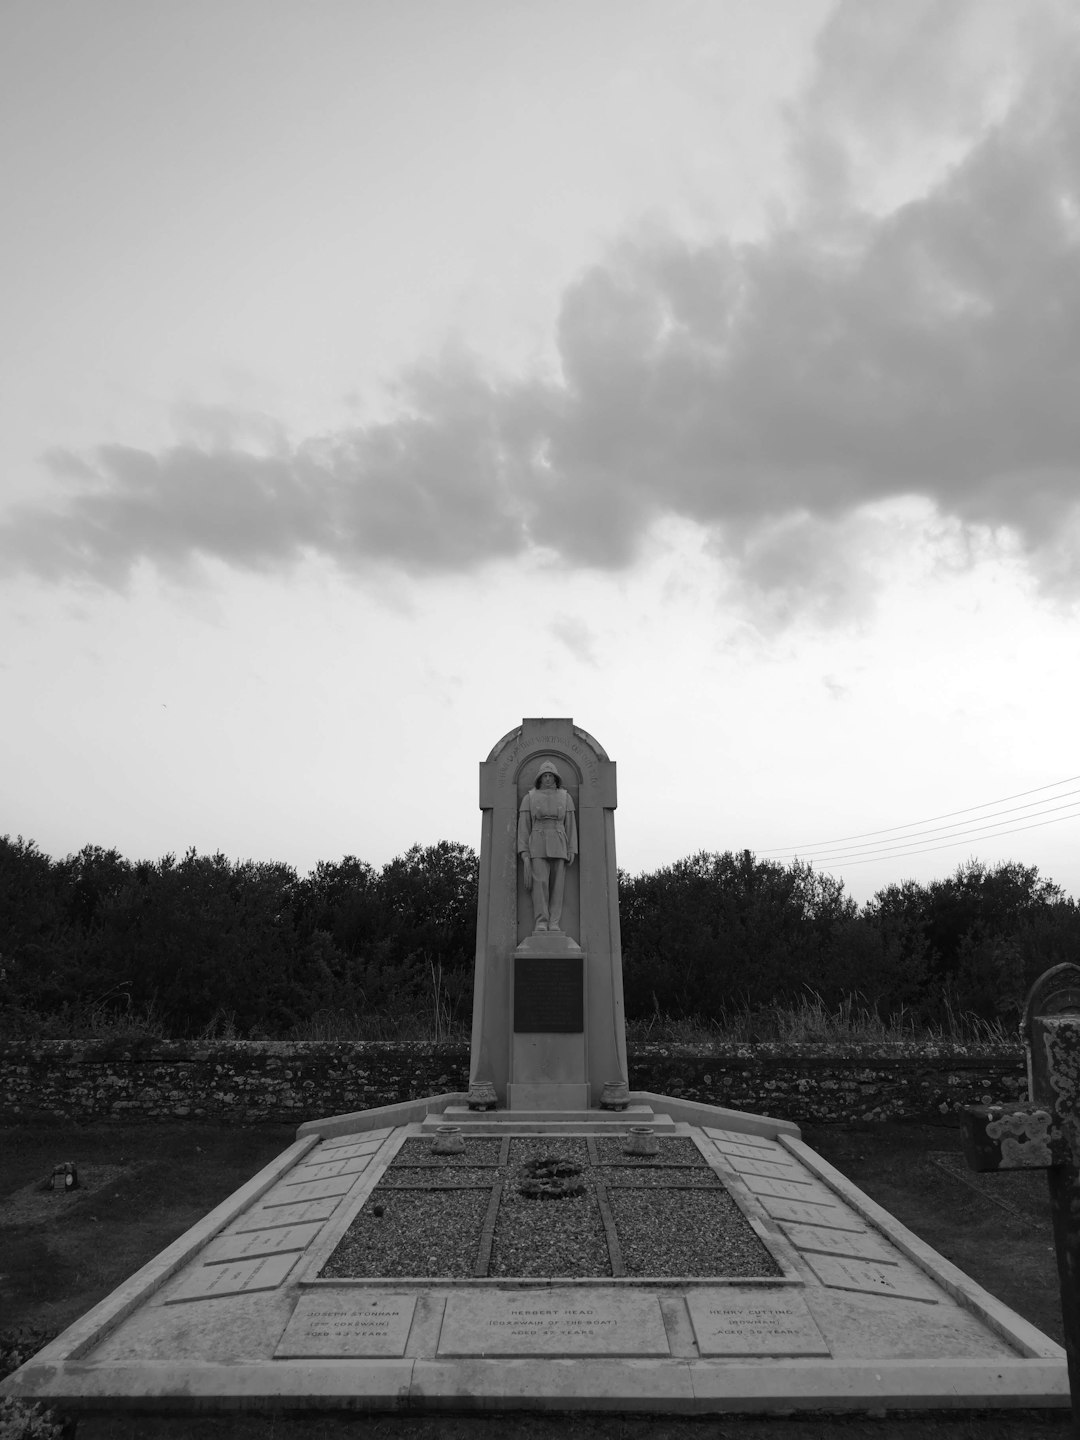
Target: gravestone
pixel 1044 1134
pixel 548 1030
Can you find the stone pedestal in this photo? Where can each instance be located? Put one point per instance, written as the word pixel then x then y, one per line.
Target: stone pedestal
pixel 578 1063
pixel 548 1030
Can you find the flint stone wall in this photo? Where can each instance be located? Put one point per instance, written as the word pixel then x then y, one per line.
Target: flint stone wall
pixel 282 1081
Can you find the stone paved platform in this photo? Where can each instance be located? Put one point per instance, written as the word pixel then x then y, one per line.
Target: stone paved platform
pixel 858 1314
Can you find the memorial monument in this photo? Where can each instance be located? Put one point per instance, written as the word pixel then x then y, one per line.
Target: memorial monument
pixel 548 1030
pixel 552 1239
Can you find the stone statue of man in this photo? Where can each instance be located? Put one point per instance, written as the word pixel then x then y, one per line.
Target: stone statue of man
pixel 547 844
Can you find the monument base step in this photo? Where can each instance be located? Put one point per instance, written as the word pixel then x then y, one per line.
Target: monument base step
pixel 549 1122
pixel 547 1097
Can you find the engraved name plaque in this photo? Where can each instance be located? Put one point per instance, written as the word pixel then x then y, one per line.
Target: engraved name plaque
pixel 549 996
pixel 336 1325
pixel 746 1322
pixel 539 1322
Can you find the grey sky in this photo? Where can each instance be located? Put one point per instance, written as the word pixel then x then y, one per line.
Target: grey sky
pixel 375 375
pixel 842 359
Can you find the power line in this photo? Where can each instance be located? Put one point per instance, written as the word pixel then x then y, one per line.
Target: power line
pixel 962 830
pixel 891 829
pixel 926 850
pixel 887 851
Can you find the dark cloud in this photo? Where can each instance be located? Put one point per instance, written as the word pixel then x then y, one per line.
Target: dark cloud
pixel 248 510
pixel 767 391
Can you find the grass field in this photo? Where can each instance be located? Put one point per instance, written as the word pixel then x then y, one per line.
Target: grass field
pixel 61 1253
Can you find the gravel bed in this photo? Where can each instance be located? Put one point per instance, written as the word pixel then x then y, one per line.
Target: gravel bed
pixel 683 1232
pixel 676 1150
pixel 617 1176
pixel 529 1147
pixel 417 1234
pixel 417 1151
pixel 549 1237
pixel 434 1177
pixel 662 1231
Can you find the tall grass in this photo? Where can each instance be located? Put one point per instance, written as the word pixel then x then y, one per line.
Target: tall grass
pixel 809 1020
pixel 804 1020
pixel 359 1025
pixel 110 1017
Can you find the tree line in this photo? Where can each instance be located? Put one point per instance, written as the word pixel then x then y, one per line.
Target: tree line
pixel 203 945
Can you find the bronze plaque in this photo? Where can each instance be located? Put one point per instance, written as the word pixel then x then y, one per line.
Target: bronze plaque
pixel 549 995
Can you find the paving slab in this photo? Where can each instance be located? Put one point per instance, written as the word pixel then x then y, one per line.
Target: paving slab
pixel 830 1216
pixel 234 1277
pixel 802 1189
pixel 246 1245
pixel 737 1137
pixel 755 1150
pixel 316 1169
pixel 738 1322
pixel 354 1324
pixel 296 1189
pixel 857 1243
pixel 365 1143
pixel 859 1314
pixel 776 1170
pixel 296 1212
pixel 544 1322
pixel 842 1273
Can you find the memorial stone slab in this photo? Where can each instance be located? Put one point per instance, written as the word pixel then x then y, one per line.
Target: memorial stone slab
pixel 773 1154
pixel 807 1189
pixel 859 1245
pixel 356 1324
pixel 288 1193
pixel 298 1214
pixel 348 1165
pixel 839 1273
pixel 365 1144
pixel 238 1277
pixel 834 1217
pixel 755 1322
pixel 737 1137
pixel 764 1167
pixel 540 1322
pixel 248 1244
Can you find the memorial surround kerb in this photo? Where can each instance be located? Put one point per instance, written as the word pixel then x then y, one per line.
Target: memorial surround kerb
pixel 570 1071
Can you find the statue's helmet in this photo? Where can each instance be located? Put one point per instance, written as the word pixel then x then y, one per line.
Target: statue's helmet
pixel 547 768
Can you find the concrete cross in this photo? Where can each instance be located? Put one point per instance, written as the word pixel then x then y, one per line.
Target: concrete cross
pixel 1044 1134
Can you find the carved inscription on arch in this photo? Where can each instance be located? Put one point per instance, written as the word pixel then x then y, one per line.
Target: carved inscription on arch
pixel 574 750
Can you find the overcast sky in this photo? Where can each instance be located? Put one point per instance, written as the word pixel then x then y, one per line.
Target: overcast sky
pixel 374 375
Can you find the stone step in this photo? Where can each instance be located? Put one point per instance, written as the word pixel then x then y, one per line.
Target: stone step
pixel 549 1122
